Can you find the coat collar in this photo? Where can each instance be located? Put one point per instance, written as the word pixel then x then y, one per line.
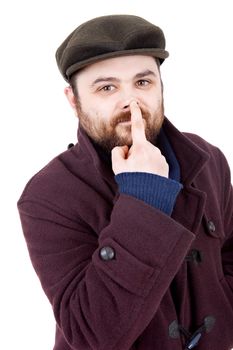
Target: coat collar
pixel 190 156
pixel 88 149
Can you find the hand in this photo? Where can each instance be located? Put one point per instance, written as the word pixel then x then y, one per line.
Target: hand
pixel 142 155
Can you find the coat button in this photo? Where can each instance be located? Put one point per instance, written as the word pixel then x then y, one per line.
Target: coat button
pixel 107 253
pixel 211 226
pixel 195 256
pixel 70 145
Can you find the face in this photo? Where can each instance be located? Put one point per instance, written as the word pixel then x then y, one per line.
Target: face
pixel 105 90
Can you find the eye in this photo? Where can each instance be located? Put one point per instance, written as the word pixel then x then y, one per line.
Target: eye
pixel 107 88
pixel 143 82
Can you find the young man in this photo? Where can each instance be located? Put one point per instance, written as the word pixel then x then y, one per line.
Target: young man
pixel 130 230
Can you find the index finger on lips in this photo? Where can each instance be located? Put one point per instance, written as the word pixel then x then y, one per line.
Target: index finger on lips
pixel 137 123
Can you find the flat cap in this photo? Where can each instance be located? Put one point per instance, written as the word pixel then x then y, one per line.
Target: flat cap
pixel 107 37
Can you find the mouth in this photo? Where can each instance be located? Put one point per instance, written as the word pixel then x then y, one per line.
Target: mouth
pixel 125 122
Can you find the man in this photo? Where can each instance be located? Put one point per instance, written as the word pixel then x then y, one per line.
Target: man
pixel 130 230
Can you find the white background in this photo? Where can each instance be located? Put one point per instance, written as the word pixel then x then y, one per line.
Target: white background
pixel 37 123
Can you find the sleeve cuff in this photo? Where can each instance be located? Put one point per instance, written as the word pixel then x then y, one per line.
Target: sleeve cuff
pixel 155 190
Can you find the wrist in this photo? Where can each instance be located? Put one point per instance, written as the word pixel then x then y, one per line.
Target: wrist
pixel 155 190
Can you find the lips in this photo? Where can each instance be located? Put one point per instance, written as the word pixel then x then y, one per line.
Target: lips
pixel 125 121
pixel 125 118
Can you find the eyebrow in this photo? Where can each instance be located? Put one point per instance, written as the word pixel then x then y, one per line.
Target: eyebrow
pixel 145 73
pixel 138 75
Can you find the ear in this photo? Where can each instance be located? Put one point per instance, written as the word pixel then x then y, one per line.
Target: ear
pixel 70 97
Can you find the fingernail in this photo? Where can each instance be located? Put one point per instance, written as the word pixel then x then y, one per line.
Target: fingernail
pixel 135 102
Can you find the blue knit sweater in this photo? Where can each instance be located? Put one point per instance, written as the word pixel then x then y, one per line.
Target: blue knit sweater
pixel 155 190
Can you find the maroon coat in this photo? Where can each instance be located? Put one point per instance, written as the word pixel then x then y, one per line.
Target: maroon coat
pixel 160 273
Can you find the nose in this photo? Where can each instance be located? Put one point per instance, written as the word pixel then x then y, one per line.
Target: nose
pixel 125 103
pixel 126 95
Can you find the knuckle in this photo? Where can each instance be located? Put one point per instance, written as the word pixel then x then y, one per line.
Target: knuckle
pixel 115 150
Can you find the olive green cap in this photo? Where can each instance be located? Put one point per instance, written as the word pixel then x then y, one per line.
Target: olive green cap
pixel 107 37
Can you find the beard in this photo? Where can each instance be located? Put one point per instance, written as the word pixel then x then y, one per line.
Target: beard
pixel 113 133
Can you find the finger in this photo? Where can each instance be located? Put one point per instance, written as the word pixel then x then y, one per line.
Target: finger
pixel 137 123
pixel 119 153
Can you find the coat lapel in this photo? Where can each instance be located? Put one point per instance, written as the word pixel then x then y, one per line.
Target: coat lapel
pixel 190 204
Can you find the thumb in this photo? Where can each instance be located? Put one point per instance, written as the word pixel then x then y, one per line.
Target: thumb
pixel 119 154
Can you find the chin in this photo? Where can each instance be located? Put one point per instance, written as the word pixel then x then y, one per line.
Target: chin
pixel 125 141
pixel 124 137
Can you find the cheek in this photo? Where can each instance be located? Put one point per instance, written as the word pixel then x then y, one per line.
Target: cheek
pixel 154 105
pixel 153 98
pixel 102 112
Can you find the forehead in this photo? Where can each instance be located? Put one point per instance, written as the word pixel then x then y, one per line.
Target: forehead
pixel 124 67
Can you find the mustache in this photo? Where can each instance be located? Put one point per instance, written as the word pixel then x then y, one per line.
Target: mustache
pixel 126 116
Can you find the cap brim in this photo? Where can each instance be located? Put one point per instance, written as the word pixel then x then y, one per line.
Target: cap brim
pixel 157 53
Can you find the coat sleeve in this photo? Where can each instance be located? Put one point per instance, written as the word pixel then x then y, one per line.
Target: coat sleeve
pixel 103 304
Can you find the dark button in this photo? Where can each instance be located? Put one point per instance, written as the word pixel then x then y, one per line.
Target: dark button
pixel 70 145
pixel 195 256
pixel 211 226
pixel 107 253
pixel 194 341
